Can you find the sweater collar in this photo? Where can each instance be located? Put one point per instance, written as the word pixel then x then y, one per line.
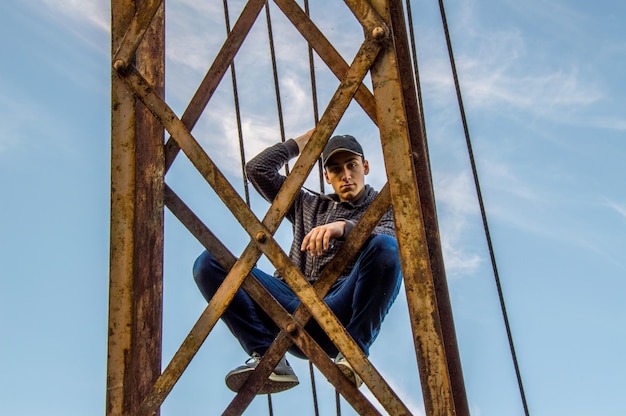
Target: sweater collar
pixel 362 199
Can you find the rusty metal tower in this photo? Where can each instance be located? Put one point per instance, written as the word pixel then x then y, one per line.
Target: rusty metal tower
pixel 136 384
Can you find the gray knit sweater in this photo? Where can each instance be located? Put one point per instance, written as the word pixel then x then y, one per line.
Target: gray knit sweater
pixel 309 209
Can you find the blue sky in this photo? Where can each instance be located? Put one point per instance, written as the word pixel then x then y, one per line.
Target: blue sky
pixel 544 95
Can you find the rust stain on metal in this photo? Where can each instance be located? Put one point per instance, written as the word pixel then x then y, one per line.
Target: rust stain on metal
pixel 410 233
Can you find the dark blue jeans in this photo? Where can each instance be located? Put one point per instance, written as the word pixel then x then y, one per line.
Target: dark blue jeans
pixel 360 301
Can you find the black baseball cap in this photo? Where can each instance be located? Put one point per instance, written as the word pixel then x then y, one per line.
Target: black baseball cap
pixel 344 143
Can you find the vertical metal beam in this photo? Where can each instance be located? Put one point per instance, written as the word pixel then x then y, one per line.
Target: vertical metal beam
pixel 427 200
pixel 136 259
pixel 410 230
pixel 148 256
pixel 122 225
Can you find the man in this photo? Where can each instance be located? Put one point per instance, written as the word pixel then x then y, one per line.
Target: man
pixel 360 298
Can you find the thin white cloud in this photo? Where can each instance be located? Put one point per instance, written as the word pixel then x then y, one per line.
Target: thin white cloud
pixel 23 118
pixel 607 122
pixel 458 212
pixel 195 32
pixel 497 78
pixel 620 209
pixel 95 12
pixel 556 13
pixel 88 22
pixel 26 114
pixel 549 93
pixel 499 176
pixel 546 214
pixel 498 72
pixel 22 115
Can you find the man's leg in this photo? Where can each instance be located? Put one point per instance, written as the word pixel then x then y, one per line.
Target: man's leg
pixel 254 330
pixel 361 300
pixel 245 319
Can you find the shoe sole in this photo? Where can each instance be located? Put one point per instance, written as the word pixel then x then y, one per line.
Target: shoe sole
pixel 350 374
pixel 275 383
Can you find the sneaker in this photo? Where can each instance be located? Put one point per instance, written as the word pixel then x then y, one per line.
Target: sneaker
pixel 281 379
pixel 347 370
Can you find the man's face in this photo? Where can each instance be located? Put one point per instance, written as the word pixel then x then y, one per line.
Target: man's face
pixel 346 172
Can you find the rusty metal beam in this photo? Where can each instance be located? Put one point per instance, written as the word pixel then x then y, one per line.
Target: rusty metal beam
pixel 144 13
pixel 427 200
pixel 121 227
pixel 136 265
pixel 410 232
pixel 368 16
pixel 149 226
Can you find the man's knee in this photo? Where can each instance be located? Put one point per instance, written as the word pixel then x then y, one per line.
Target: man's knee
pixel 206 269
pixel 385 248
pixel 200 266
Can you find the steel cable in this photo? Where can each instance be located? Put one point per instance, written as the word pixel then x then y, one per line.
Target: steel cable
pixel 482 209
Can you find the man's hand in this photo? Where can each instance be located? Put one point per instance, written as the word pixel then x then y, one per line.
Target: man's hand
pixel 318 239
pixel 303 139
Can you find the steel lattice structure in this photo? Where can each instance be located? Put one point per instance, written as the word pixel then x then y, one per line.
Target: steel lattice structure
pixel 140 159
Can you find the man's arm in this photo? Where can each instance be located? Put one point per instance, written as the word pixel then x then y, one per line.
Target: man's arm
pixel 318 239
pixel 263 169
pixel 303 140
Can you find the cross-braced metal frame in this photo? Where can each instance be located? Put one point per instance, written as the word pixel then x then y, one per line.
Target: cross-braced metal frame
pixel 140 159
